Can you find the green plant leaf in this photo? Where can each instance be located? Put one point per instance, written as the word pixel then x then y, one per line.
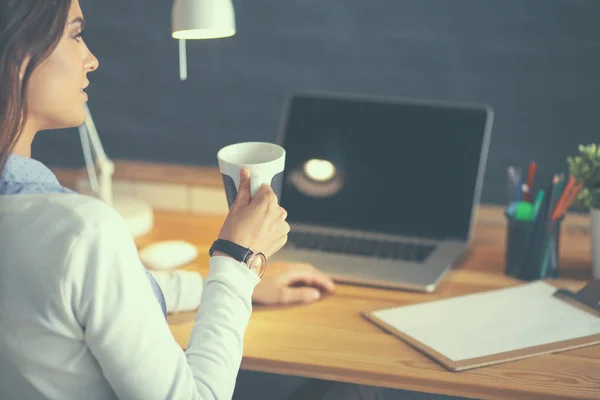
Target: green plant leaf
pixel 585 167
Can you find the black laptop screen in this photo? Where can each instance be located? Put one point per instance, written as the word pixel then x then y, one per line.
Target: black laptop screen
pixel 385 167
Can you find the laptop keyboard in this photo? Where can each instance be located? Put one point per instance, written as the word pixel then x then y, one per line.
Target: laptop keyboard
pixel 363 247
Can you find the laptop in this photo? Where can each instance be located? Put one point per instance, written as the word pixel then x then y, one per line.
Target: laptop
pixel 381 192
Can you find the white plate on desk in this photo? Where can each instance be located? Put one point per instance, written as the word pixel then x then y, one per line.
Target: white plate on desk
pixel 168 254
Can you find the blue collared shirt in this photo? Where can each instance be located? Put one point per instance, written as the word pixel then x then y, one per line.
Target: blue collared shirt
pixel 24 175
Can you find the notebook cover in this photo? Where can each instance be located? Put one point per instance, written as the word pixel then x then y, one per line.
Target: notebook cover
pixel 492 359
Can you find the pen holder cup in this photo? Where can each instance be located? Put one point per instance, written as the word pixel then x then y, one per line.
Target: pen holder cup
pixel 532 252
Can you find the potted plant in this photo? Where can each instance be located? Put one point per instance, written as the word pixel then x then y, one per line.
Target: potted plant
pixel 585 167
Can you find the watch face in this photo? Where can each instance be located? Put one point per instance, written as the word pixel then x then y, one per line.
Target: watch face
pixel 259 264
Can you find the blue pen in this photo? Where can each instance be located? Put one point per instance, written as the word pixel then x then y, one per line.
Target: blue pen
pixel 511 209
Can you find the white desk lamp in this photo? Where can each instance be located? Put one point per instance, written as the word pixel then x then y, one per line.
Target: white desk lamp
pixel 191 19
pixel 200 19
pixel 137 214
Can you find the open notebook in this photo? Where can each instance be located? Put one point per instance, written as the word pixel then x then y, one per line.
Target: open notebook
pixel 497 326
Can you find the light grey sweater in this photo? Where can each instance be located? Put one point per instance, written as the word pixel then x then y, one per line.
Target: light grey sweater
pixel 79 320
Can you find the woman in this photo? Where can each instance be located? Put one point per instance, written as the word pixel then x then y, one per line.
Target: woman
pixel 78 316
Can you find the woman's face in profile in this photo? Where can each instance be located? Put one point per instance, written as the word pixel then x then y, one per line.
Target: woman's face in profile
pixel 55 94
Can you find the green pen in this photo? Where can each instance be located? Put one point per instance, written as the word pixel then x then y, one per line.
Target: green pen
pixel 524 211
pixel 538 203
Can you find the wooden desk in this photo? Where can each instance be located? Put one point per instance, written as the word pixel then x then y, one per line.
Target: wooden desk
pixel 330 340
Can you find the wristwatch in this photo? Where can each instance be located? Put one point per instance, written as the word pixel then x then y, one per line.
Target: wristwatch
pixel 255 261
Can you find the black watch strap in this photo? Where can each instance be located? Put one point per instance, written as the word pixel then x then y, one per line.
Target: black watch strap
pixel 239 253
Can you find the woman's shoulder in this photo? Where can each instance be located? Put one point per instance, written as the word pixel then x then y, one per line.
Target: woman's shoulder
pixel 65 215
pixel 77 204
pixel 54 228
pixel 85 212
pixel 78 224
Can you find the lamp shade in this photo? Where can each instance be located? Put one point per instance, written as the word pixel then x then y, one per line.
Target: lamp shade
pixel 203 19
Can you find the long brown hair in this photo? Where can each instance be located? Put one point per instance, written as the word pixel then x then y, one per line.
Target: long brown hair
pixel 30 30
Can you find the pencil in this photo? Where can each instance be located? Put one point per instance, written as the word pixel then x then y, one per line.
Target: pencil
pixel 569 197
pixel 561 200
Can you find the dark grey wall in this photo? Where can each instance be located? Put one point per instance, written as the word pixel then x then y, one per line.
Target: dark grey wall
pixel 537 62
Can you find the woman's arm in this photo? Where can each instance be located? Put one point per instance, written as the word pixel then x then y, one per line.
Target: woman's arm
pixel 182 289
pixel 126 330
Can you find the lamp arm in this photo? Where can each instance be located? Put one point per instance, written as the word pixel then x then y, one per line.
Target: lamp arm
pixel 88 158
pixel 106 167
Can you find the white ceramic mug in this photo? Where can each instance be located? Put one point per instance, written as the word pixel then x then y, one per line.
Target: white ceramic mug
pixel 264 161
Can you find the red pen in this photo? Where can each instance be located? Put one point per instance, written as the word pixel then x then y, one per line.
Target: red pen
pixel 530 176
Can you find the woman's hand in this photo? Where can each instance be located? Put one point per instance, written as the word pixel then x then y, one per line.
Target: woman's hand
pixel 259 222
pixel 293 283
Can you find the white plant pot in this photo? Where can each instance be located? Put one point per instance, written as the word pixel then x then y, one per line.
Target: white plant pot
pixel 595 217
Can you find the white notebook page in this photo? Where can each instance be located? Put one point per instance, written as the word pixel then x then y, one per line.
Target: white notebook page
pixel 493 322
